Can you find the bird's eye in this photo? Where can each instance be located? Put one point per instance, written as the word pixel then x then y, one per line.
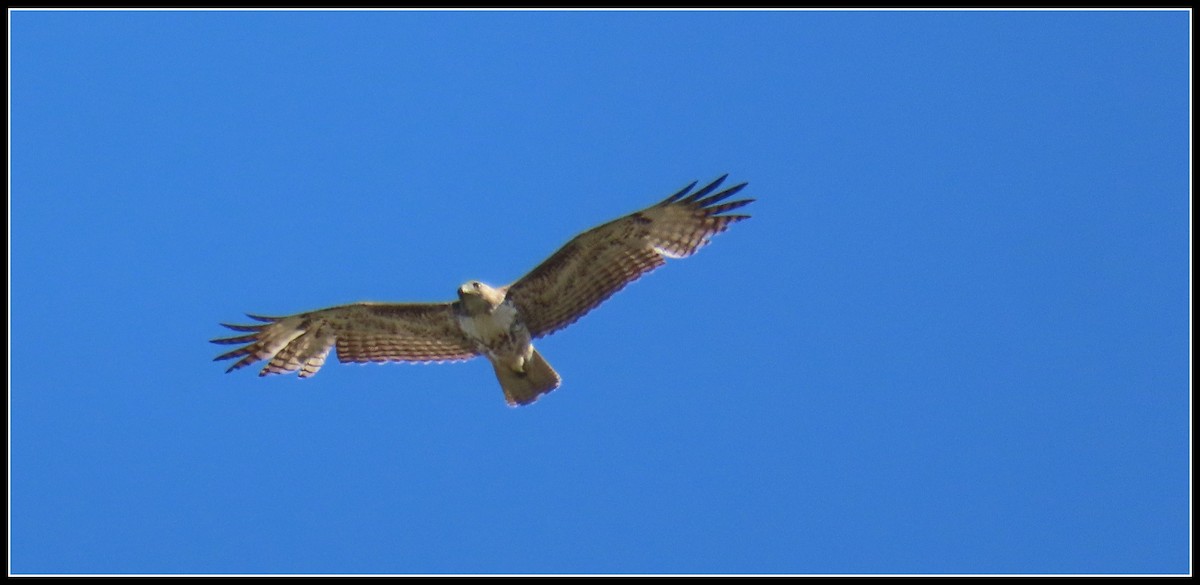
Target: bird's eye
pixel 476 285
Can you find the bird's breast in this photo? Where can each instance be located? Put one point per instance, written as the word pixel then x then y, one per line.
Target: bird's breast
pixel 497 330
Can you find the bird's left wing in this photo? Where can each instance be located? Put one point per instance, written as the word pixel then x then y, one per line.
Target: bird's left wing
pixel 599 262
pixel 362 332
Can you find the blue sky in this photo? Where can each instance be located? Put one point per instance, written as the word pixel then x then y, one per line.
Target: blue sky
pixel 954 337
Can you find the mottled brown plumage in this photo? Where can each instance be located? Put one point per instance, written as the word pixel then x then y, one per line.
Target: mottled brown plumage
pixel 601 261
pixel 498 323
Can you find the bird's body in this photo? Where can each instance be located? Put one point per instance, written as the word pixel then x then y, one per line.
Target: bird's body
pixel 491 322
pixel 497 323
pixel 494 324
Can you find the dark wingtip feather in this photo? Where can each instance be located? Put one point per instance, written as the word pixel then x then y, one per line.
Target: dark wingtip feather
pixel 232 354
pixel 721 196
pixel 239 339
pixel 716 209
pixel 243 327
pixel 249 359
pixel 705 190
pixel 262 318
pixel 681 192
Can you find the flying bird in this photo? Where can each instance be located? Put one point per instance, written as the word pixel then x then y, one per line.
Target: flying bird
pixel 498 323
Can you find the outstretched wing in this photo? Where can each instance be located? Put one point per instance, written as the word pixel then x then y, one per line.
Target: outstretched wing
pixel 599 262
pixel 362 332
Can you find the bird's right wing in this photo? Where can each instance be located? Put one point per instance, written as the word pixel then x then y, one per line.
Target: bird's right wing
pixel 362 332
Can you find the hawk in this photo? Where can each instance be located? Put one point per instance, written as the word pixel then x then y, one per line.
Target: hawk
pixel 498 323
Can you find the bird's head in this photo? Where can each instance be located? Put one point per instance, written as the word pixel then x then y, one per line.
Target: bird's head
pixel 478 294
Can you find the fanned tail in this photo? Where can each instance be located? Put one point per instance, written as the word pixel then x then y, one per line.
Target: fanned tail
pixel 521 388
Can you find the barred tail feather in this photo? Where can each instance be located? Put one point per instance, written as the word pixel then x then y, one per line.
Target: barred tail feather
pixel 521 388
